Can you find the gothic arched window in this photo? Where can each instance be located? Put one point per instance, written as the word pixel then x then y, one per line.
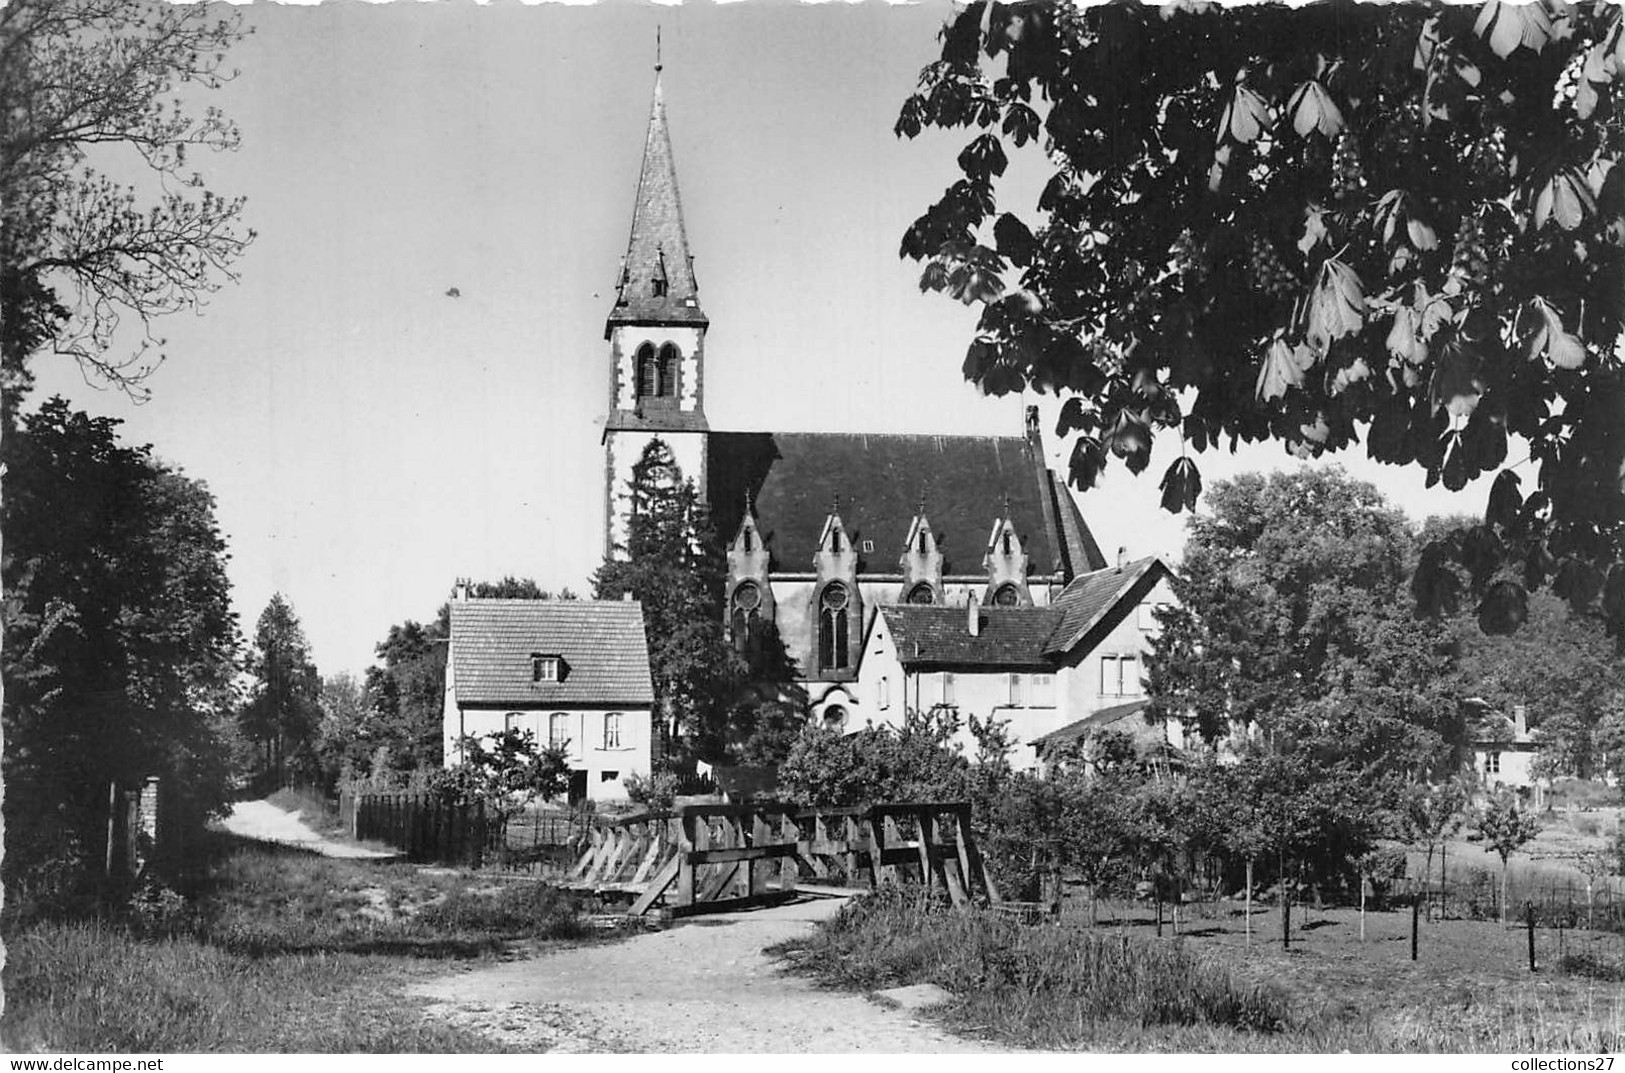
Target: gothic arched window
pixel 668 370
pixel 921 594
pixel 648 371
pixel 834 717
pixel 746 615
pixel 832 627
pixel 1007 595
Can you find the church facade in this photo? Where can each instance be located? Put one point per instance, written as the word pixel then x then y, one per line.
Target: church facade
pixel 822 529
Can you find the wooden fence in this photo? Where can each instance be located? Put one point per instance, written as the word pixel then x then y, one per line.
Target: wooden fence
pixel 703 858
pixel 423 826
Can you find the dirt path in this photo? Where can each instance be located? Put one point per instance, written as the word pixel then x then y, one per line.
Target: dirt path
pixel 702 985
pixel 264 822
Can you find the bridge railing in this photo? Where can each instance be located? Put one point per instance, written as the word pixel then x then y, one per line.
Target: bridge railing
pixel 700 858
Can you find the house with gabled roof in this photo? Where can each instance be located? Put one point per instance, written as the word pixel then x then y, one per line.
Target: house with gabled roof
pixel 1039 669
pixel 575 673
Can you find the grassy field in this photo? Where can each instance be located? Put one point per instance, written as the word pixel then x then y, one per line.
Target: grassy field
pixel 1207 990
pixel 278 951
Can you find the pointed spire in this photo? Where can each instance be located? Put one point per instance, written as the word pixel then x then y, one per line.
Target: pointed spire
pixel 658 284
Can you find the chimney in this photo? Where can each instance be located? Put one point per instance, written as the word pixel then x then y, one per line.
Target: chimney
pixel 1520 722
pixel 1122 558
pixel 459 590
pixel 1032 423
pixel 626 597
pixel 973 616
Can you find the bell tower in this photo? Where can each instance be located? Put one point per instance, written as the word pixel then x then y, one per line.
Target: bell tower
pixel 656 335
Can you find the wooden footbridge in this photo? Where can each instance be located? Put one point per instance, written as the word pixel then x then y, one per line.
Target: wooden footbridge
pixel 705 858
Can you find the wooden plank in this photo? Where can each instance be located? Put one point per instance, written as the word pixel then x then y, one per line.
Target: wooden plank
pixel 662 880
pixel 820 870
pixel 689 840
pixel 974 855
pixel 761 837
pixel 922 820
pixel 790 870
pixel 734 812
pixel 771 851
pixel 651 857
pixel 718 883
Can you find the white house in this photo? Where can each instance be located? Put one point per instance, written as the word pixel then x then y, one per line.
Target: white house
pixel 1501 760
pixel 573 672
pixel 1037 668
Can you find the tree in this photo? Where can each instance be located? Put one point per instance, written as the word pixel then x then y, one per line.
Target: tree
pixel 283 713
pixel 1395 222
pixel 120 643
pixel 672 564
pixel 1293 618
pixel 1563 667
pixel 87 84
pixel 506 775
pixel 1505 827
pixel 342 736
pixel 1429 816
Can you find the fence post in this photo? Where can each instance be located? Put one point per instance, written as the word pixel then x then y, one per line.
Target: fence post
pixel 1416 923
pixel 1529 915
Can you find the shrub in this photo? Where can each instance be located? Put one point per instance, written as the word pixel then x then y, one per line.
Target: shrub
pixel 1043 985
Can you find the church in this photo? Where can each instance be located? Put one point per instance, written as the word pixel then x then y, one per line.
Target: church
pixel 824 530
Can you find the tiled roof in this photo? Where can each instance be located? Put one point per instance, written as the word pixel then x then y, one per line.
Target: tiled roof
pixel 659 243
pixel 1093 721
pixel 1097 602
pixel 602 644
pixel 880 480
pixel 1011 637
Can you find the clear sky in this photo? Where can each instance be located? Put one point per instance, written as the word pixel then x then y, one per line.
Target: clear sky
pixel 369 438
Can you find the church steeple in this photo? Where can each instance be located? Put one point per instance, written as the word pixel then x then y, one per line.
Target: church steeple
pixel 656 284
pixel 656 334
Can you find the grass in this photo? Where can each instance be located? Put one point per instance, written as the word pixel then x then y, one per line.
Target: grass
pixel 1118 988
pixel 1040 987
pixel 277 951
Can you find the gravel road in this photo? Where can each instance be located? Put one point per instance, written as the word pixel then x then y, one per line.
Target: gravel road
pixel 265 822
pixel 702 985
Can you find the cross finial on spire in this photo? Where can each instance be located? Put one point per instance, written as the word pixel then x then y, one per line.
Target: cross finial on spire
pixel 657 49
pixel 835 507
pixel 1007 506
pixel 750 503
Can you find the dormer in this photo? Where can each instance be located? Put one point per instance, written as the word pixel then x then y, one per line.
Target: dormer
pixel 750 593
pixel 1006 566
pixel 921 563
pixel 547 668
pixel 837 606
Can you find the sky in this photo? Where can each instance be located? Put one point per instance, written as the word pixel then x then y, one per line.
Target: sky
pixel 370 438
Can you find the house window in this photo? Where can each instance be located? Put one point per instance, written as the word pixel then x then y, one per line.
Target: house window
pixel 747 604
pixel 883 693
pixel 668 370
pixel 868 547
pixel 1043 690
pixel 648 368
pixel 512 720
pixel 1492 763
pixel 1016 700
pixel 834 717
pixel 1119 676
pixel 921 594
pixel 612 730
pixel 1007 595
pixel 948 688
pixel 832 627
pixel 544 668
pixel 608 776
pixel 558 730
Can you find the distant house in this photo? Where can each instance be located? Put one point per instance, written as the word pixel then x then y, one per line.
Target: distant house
pixel 1152 741
pixel 573 672
pixel 1506 758
pixel 1038 669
